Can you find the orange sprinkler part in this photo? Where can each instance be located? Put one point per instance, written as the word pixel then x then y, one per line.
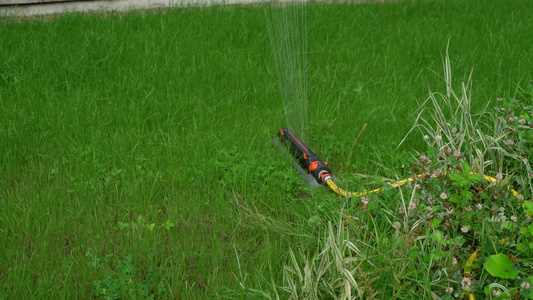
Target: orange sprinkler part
pixel 313 166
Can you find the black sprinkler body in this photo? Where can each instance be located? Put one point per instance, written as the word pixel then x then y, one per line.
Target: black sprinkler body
pixel 307 159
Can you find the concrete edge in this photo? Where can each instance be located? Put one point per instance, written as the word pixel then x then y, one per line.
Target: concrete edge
pixel 107 6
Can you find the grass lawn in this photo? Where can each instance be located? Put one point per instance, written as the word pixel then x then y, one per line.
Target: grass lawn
pixel 135 154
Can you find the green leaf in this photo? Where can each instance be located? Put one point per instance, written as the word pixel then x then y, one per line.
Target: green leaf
pixel 525 117
pixel 350 278
pixel 467 195
pixel 314 220
pixel 508 225
pixel 529 207
pixel 437 254
pixel 500 265
pixel 457 178
pixel 475 177
pixel 436 222
pixel 466 169
pixel 150 226
pixel 455 199
pixel 169 224
pixel 524 231
pixel 438 236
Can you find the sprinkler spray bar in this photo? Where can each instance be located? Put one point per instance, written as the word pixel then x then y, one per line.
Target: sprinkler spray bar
pixel 310 161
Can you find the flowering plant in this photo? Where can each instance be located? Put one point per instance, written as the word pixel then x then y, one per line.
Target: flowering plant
pixel 459 214
pixel 476 228
pixel 517 133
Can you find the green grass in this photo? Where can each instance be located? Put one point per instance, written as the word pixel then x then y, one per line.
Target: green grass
pixel 109 124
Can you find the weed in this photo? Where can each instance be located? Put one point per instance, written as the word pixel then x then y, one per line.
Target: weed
pixel 516 118
pixel 121 280
pixel 236 170
pixel 329 272
pixel 488 141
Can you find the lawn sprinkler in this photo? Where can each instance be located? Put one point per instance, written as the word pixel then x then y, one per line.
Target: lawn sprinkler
pixel 315 172
pixel 316 168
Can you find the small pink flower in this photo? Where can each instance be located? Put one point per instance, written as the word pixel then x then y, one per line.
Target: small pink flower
pixel 454 130
pixel 514 218
pixel 365 200
pixel 432 201
pixel 522 122
pixel 510 119
pixel 397 225
pixel 454 262
pixel 457 154
pixel 423 157
pixel 450 211
pixel 503 109
pixel 443 196
pixel 468 209
pixel 426 137
pixel 465 283
pixel 525 285
pixel 509 143
pixel 448 151
pixel 479 206
pixel 412 206
pixel 438 172
pixel 449 290
pixel 465 229
pixel 499 176
pixel 495 293
pixel 401 210
pixel 438 138
pixel 499 99
pixel 520 197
